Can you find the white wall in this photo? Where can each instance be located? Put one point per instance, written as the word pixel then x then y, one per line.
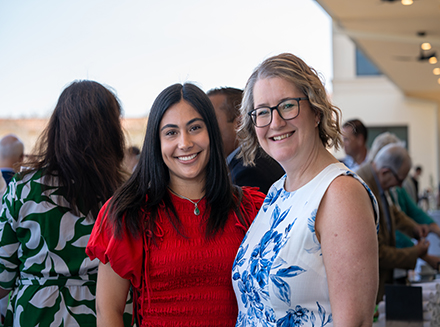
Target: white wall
pixel 376 101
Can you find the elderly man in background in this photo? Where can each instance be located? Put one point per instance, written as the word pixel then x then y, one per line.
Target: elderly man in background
pixel 11 154
pixel 389 168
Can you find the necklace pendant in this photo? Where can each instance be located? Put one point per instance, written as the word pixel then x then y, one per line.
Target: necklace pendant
pixel 196 211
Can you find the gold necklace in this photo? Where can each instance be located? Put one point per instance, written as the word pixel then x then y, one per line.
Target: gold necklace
pixel 196 208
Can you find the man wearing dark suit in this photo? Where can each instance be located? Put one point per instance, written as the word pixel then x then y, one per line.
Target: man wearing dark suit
pixel 389 168
pixel 226 102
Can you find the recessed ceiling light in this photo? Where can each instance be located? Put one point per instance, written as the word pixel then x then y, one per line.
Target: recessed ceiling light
pixel 433 60
pixel 426 46
pixel 436 71
pixel 438 80
pixel 407 2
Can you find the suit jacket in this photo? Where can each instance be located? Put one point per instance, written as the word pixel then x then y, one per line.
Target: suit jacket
pixel 8 173
pixel 265 172
pixel 390 257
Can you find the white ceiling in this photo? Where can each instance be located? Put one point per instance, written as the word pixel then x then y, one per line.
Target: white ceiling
pixel 387 32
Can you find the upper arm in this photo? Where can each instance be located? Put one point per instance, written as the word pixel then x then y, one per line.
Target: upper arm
pixel 345 225
pixel 111 296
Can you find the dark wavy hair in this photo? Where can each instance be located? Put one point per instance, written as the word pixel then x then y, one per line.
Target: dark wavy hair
pixel 83 146
pixel 146 189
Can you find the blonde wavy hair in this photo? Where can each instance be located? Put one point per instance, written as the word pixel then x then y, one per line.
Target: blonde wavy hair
pixel 294 70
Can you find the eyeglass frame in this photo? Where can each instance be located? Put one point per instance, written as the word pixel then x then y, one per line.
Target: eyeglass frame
pixel 252 112
pixel 400 181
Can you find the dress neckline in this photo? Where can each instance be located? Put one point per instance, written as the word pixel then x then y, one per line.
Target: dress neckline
pixel 340 165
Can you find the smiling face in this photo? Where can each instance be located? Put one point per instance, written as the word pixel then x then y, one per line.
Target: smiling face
pixel 285 140
pixel 184 144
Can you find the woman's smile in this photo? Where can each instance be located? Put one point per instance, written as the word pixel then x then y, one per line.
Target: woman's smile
pixel 281 137
pixel 187 158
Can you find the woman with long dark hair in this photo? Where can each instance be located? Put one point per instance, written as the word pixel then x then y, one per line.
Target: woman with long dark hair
pixel 173 229
pixel 50 208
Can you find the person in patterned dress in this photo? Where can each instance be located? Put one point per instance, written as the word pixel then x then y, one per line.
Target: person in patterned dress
pixel 49 210
pixel 310 258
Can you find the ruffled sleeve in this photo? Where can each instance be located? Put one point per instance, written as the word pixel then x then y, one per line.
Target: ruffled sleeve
pixel 251 202
pixel 125 253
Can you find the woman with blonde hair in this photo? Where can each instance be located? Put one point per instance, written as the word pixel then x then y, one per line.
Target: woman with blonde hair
pixel 299 264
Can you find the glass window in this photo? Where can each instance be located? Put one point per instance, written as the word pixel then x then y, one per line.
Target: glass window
pixel 364 67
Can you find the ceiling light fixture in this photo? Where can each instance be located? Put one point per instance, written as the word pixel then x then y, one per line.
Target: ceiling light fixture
pixel 404 2
pixel 426 54
pixel 438 80
pixel 436 71
pixel 426 46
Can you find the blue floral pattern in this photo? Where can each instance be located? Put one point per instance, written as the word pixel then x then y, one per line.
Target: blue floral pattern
pixel 278 273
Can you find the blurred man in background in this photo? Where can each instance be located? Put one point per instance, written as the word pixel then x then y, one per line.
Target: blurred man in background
pixel 226 102
pixel 11 154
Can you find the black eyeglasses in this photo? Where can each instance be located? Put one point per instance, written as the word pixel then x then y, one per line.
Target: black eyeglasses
pixel 287 109
pixel 400 181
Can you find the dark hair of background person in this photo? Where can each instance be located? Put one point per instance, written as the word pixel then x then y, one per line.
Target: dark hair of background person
pixel 83 145
pixel 357 127
pixel 151 176
pixel 233 98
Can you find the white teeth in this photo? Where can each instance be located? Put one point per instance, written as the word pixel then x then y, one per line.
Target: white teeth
pixel 188 157
pixel 282 137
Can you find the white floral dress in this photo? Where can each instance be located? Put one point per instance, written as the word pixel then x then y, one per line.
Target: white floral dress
pixel 278 275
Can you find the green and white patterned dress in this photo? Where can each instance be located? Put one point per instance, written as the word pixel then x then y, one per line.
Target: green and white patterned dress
pixel 42 256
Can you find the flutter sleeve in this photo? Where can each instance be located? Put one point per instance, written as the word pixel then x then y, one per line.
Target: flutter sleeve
pixel 251 202
pixel 124 252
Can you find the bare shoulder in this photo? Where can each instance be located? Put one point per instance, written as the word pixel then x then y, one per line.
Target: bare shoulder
pixel 346 187
pixel 347 192
pixel 346 202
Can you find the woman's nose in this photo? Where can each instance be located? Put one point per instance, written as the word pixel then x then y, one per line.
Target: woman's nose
pixel 185 141
pixel 277 120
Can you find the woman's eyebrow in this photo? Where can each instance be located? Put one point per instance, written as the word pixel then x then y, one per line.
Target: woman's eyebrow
pixel 176 126
pixel 194 120
pixel 169 126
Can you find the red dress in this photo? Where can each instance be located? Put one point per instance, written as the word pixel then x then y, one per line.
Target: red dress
pixel 183 280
